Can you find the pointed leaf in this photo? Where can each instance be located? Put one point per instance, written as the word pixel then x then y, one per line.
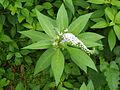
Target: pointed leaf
pixel 79 24
pixel 43 44
pixel 35 35
pixel 62 18
pixel 57 65
pixel 117 18
pixel 81 58
pixel 44 61
pixel 100 24
pixel 90 36
pixel 20 86
pixel 83 87
pixel 46 24
pixel 111 39
pixel 97 1
pixel 108 12
pixel 5 38
pixel 90 85
pixel 117 31
pixel 69 4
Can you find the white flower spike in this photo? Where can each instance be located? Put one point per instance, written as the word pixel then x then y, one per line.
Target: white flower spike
pixel 70 38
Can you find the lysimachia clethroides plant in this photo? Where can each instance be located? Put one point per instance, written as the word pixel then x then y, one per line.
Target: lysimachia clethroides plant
pixel 59 35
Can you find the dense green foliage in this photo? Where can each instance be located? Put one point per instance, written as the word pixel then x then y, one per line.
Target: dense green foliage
pixel 59 45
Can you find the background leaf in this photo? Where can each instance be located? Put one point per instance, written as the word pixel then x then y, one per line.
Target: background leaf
pixel 83 87
pixel 117 31
pixel 20 86
pixel 69 4
pixel 111 39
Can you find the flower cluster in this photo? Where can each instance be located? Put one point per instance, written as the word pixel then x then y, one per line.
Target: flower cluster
pixel 70 38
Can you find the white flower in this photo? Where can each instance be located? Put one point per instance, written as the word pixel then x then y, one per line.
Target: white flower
pixel 69 37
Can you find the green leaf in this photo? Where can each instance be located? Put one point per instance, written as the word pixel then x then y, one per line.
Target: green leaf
pixel 90 36
pixel 25 12
pixel 117 31
pixel 81 3
pixel 108 12
pixel 20 18
pixel 117 51
pixel 35 35
pixel 69 4
pixel 90 43
pixel 2 19
pixel 83 87
pixel 57 65
pixel 46 24
pixel 62 18
pixel 90 85
pixel 43 44
pixel 79 24
pixel 20 86
pixel 100 24
pixel 97 1
pixel 116 3
pixel 68 84
pixel 44 61
pixel 98 14
pixel 117 18
pixel 111 72
pixel 5 38
pixel 1 1
pixel 47 5
pixel 111 39
pixel 5 3
pixel 18 4
pixel 80 58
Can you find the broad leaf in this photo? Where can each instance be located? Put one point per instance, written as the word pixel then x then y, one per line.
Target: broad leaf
pixel 117 31
pixel 20 86
pixel 69 4
pixel 5 38
pixel 90 43
pixel 83 87
pixel 111 72
pixel 111 39
pixel 81 58
pixel 62 18
pixel 79 24
pixel 35 35
pixel 44 61
pixel 117 18
pixel 100 24
pixel 108 12
pixel 90 85
pixel 97 1
pixel 115 2
pixel 46 24
pixel 90 36
pixel 57 65
pixel 43 44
